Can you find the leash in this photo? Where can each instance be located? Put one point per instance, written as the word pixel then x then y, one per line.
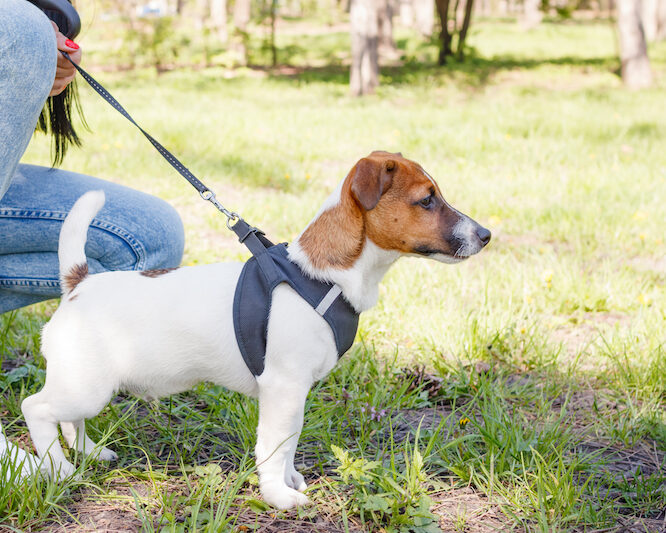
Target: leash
pixel 248 235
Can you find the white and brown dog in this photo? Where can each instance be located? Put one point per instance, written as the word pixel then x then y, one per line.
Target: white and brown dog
pixel 160 334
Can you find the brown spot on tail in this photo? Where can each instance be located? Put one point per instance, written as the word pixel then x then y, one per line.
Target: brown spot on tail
pixel 75 276
pixel 156 272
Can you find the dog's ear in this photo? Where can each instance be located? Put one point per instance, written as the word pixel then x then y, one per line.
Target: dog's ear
pixel 372 178
pixel 381 153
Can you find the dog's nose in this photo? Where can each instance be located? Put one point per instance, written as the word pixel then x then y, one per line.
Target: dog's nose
pixel 483 234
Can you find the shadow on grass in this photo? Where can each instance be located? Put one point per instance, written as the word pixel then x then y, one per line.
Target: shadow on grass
pixel 472 72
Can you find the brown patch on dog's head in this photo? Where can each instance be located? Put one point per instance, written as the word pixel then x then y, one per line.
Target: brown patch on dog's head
pixel 411 215
pixel 398 206
pixel 75 276
pixel 156 272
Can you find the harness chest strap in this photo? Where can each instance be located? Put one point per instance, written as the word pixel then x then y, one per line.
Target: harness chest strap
pixel 270 266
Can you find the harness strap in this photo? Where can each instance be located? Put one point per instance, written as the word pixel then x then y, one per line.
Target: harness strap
pixel 257 243
pixel 251 237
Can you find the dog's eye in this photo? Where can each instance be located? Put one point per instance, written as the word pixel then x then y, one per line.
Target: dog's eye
pixel 426 202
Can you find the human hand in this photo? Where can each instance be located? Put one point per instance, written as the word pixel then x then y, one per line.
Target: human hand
pixel 65 71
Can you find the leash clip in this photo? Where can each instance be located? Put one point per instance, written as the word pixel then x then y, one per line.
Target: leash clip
pixel 209 196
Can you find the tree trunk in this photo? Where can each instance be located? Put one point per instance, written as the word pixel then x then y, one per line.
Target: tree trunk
pixel 274 8
pixel 406 10
pixel 241 19
pixel 532 14
pixel 649 18
pixel 202 14
pixel 465 26
pixel 661 20
pixel 218 15
pixel 455 17
pixel 387 46
pixel 636 71
pixel 424 16
pixel 653 16
pixel 444 35
pixel 364 73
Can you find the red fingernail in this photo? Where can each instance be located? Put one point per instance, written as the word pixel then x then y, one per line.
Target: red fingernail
pixel 71 44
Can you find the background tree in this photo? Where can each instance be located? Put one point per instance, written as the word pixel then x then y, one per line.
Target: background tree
pixel 444 35
pixel 462 33
pixel 653 16
pixel 364 73
pixel 448 16
pixel 532 14
pixel 387 46
pixel 218 15
pixel 636 72
pixel 424 16
pixel 418 14
pixel 242 12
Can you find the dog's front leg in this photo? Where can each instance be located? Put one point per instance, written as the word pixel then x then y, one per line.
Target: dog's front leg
pixel 293 477
pixel 281 406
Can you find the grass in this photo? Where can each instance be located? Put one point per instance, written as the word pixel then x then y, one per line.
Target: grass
pixel 524 390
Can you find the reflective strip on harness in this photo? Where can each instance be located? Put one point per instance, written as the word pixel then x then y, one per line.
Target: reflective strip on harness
pixel 330 297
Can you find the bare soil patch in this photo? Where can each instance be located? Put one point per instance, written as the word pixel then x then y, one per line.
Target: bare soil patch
pixel 465 510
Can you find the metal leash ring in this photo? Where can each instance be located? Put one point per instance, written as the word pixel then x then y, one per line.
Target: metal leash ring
pixel 209 196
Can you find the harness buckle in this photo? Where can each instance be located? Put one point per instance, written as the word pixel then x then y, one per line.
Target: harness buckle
pixel 250 231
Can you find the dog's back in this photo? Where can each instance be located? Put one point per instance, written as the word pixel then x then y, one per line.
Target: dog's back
pixel 145 332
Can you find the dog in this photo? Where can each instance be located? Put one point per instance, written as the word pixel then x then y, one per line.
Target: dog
pixel 157 333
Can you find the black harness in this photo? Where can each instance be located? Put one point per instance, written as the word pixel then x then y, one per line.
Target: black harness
pixel 266 269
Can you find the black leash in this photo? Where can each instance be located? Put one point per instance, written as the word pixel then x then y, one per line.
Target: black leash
pixel 252 237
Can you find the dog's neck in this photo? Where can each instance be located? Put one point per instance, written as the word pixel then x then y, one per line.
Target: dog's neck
pixel 334 247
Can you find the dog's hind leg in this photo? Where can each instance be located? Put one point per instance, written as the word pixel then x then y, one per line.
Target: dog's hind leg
pixel 76 437
pixel 43 426
pixel 67 395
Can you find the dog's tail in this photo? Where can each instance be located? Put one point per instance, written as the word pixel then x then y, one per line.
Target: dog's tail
pixel 73 236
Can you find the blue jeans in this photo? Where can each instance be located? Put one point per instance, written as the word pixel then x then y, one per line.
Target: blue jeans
pixel 133 231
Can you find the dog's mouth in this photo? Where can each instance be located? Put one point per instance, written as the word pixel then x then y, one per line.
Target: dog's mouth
pixel 440 255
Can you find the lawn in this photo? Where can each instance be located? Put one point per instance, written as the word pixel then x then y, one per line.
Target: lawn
pixel 523 390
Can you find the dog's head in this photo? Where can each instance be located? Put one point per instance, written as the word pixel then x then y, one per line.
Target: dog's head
pixel 404 210
pixel 395 204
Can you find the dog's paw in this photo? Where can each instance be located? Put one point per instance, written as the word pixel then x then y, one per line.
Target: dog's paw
pixel 58 472
pixel 284 497
pixel 105 454
pixel 295 480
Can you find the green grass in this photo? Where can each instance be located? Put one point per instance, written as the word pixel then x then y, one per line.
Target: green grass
pixel 540 405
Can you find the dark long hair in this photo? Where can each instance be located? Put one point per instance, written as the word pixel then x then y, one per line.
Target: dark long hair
pixel 56 119
pixel 57 116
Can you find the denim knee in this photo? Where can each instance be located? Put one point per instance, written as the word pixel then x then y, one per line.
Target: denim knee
pixel 164 236
pixel 142 233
